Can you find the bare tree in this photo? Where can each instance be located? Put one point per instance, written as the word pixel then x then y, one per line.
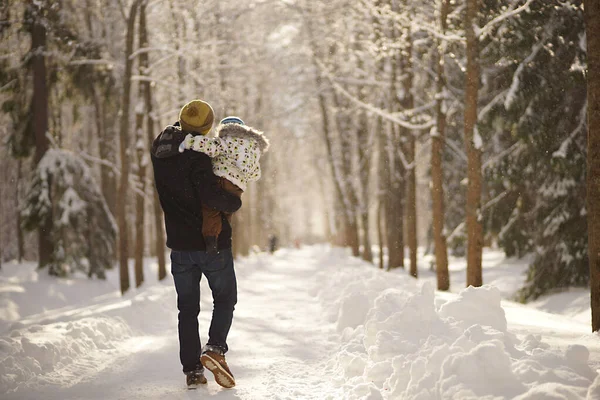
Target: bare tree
pixel 407 103
pixel 40 113
pixel 394 209
pixel 141 150
pixel 473 145
pixel 592 21
pixel 437 176
pixel 20 239
pixel 124 151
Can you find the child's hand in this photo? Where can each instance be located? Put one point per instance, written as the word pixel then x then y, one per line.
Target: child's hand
pixel 187 143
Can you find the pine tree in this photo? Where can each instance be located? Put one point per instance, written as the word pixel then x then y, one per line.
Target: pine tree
pixel 542 175
pixel 592 21
pixel 64 196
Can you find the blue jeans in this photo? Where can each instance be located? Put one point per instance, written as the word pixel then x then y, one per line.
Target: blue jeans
pixel 187 268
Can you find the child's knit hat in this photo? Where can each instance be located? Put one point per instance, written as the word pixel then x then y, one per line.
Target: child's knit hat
pixel 231 120
pixel 196 116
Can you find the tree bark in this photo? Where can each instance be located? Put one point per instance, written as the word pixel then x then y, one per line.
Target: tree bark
pixel 351 201
pixel 141 152
pixel 394 200
pixel 381 189
pixel 411 181
pixel 380 132
pixel 40 120
pixel 179 33
pixel 592 21
pixel 473 224
pixel 107 175
pixel 437 175
pixel 20 239
pixel 364 162
pixel 125 153
pixel 160 240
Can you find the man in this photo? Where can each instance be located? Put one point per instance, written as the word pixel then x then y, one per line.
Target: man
pixel 185 182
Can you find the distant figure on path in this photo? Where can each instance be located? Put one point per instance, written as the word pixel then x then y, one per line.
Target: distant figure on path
pixel 185 183
pixel 272 243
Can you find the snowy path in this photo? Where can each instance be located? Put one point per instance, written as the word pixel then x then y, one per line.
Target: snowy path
pixel 277 342
pixel 310 324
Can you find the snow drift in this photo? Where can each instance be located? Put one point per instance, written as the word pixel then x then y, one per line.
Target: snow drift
pixel 400 341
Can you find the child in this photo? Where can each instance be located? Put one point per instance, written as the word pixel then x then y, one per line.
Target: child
pixel 235 153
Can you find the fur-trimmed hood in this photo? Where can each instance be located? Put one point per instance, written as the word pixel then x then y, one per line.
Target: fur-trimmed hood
pixel 243 132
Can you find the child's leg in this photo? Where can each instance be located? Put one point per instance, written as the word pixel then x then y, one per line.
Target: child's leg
pixel 211 227
pixel 211 218
pixel 233 189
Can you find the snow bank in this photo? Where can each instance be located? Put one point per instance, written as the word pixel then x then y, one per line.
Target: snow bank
pixel 41 350
pixel 63 331
pixel 398 341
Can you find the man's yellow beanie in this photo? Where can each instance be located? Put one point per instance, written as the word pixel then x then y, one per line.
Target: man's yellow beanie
pixel 196 116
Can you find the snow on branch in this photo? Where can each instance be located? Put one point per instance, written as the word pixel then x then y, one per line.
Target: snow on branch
pixel 456 149
pixel 515 147
pixel 384 114
pixel 562 150
pixel 514 87
pixel 362 82
pixel 143 50
pixel 492 103
pixel 459 230
pixel 132 178
pixel 421 25
pixel 407 166
pixel 110 63
pixel 100 161
pixel 483 32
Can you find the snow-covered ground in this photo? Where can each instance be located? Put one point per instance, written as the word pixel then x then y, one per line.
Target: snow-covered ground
pixel 312 323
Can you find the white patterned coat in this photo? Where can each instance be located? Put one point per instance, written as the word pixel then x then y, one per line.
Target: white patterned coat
pixel 235 152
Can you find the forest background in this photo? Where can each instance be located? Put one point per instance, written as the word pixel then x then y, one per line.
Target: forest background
pixel 445 125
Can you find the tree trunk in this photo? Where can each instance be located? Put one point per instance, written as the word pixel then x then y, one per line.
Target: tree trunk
pixel 20 239
pixel 380 132
pixel 108 182
pixel 407 103
pixel 592 20
pixel 125 153
pixel 394 207
pixel 40 120
pixel 352 237
pixel 473 143
pixel 160 240
pixel 364 164
pixel 344 170
pixel 1 241
pixel 394 203
pixel 364 161
pixel 141 148
pixel 180 59
pixel 437 175
pixel 383 195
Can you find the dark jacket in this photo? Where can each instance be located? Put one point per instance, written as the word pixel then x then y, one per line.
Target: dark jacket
pixel 184 182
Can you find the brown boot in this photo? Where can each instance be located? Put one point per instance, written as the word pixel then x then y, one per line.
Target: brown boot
pixel 214 361
pixel 195 378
